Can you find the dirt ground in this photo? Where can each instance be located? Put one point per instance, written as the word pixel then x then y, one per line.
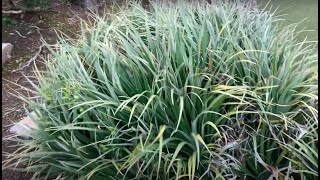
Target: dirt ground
pixel 25 38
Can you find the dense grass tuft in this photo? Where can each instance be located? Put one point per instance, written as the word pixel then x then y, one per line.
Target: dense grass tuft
pixel 187 91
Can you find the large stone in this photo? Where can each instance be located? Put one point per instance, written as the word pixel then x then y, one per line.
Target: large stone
pixel 6 52
pixel 25 127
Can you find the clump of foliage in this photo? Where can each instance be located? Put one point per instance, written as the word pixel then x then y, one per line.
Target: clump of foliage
pixel 186 91
pixel 8 21
pixel 30 5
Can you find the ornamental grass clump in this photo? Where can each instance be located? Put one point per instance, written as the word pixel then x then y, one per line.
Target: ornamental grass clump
pixel 186 91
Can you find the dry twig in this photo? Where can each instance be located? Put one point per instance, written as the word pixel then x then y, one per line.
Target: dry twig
pixel 36 55
pixel 20 34
pixel 12 12
pixel 30 60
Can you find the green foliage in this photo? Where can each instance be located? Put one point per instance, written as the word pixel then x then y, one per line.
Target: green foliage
pixel 28 5
pixel 8 21
pixel 187 91
pixel 78 2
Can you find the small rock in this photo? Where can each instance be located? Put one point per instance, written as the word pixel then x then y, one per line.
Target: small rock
pixel 6 52
pixel 24 127
pixel 22 16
